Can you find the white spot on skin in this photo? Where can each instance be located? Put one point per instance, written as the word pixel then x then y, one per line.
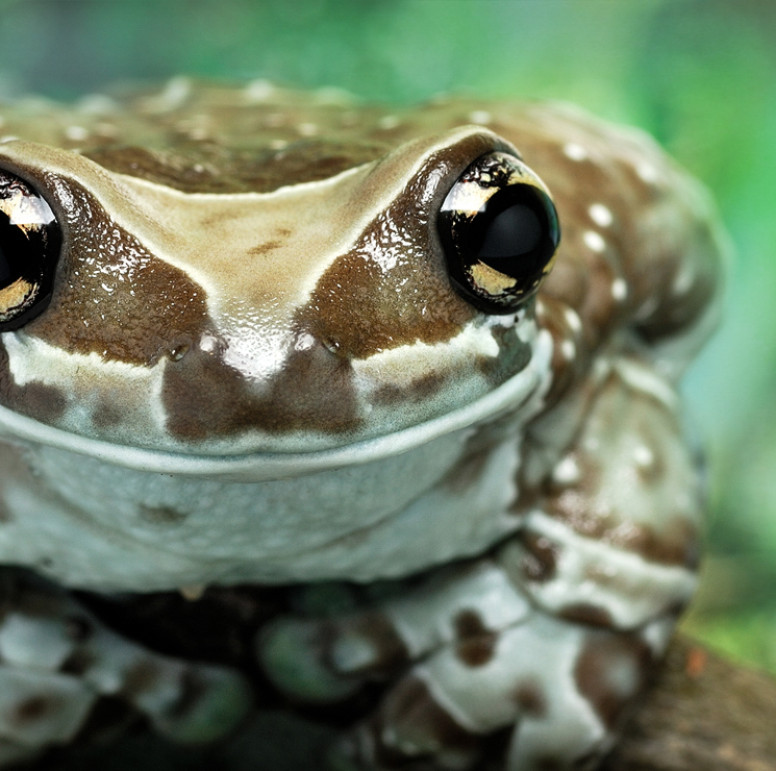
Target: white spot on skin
pixel 568 349
pixel 8 138
pixel 172 96
pixel 601 215
pixel 76 133
pixel 647 173
pixel 643 456
pixel 573 320
pixel 566 472
pixel 480 117
pixel 594 241
pixel 307 129
pixel 574 151
pixel 619 289
pixel 388 122
pixel 685 279
pixel 353 652
pixel 305 342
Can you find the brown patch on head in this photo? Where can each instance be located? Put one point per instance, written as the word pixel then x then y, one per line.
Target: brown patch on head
pixel 264 248
pixel 392 287
pixel 207 167
pixel 113 297
pixel 204 397
pixel 611 670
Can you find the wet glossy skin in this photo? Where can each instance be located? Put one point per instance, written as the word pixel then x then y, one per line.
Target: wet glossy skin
pixel 255 369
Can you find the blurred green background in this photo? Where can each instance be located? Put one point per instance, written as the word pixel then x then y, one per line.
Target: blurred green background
pixel 699 74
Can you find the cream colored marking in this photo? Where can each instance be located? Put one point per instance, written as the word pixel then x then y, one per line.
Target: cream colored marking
pixel 406 364
pixel 8 138
pixel 278 144
pixel 14 294
pixel 388 122
pixel 192 593
pixel 644 456
pixel 647 381
pixel 572 319
pixel 594 241
pixel 76 133
pixel 648 172
pixel 601 215
pixel 574 151
pixel 623 594
pixel 620 289
pixel 685 278
pixel 480 117
pixel 174 93
pixel 568 349
pixel 566 472
pixel 31 360
pixel 307 129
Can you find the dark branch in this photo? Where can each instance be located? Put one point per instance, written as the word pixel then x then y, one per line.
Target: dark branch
pixel 702 713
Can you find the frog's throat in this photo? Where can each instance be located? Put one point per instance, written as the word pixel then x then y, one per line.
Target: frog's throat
pixel 522 393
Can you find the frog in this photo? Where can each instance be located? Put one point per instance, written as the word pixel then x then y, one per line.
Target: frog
pixel 410 372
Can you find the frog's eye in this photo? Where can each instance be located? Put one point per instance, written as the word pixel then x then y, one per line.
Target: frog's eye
pixel 30 240
pixel 499 231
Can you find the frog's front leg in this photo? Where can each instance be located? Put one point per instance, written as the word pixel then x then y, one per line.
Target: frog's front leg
pixel 58 665
pixel 536 651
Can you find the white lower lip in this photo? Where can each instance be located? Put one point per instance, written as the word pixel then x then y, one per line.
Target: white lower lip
pixel 262 465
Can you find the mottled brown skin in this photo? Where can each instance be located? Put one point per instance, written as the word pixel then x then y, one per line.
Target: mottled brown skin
pixel 632 278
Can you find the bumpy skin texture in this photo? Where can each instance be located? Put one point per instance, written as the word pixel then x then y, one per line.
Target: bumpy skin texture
pixel 252 300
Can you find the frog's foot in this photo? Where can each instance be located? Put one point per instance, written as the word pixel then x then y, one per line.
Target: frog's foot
pixel 58 666
pixel 472 670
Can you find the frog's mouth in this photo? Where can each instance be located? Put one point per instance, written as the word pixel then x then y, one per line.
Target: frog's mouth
pixel 522 393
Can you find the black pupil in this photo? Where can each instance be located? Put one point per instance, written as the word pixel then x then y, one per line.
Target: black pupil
pixel 14 251
pixel 29 248
pixel 517 231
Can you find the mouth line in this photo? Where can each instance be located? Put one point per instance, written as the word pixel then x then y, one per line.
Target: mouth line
pixel 263 465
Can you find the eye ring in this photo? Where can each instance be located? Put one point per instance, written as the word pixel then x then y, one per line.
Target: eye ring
pixel 30 243
pixel 499 231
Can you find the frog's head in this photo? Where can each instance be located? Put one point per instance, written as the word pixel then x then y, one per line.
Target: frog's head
pixel 332 303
